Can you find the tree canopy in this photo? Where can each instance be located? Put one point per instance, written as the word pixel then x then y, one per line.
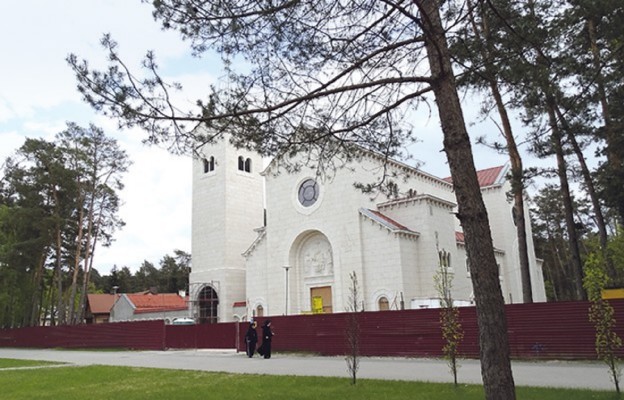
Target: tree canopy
pixel 328 78
pixel 59 201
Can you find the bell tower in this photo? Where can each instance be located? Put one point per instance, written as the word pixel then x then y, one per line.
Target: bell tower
pixel 228 204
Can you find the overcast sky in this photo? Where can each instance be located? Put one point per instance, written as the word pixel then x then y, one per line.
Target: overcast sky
pixel 38 95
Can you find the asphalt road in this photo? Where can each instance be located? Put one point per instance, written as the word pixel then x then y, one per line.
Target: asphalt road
pixel 567 374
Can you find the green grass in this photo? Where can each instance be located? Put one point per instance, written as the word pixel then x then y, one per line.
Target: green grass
pixel 95 349
pixel 104 382
pixel 13 363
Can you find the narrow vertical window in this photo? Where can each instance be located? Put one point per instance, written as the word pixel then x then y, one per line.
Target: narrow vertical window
pixel 248 165
pixel 208 164
pixel 241 163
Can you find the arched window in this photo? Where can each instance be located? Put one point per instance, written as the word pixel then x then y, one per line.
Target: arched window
pixel 259 311
pixel 209 164
pixel 244 164
pixel 208 306
pixel 383 303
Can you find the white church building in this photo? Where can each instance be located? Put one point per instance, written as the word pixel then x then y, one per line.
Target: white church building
pixel 270 242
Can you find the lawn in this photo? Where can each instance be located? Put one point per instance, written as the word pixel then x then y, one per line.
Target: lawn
pixel 105 382
pixel 14 363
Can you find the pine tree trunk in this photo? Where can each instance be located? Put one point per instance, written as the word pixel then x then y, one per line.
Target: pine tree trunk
pixel 517 173
pixel 517 189
pixel 573 243
pixel 494 347
pixel 560 276
pixel 35 310
pixel 613 157
pixel 591 191
pixel 92 236
pixel 77 257
pixel 58 271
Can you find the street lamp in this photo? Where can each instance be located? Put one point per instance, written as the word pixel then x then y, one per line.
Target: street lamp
pixel 286 268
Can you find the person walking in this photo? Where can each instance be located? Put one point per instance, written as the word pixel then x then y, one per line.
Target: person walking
pixel 251 339
pixel 267 335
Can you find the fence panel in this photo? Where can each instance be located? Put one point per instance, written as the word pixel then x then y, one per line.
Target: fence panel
pixel 141 335
pixel 541 330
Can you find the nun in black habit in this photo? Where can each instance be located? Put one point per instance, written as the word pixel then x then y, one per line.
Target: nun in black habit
pixel 267 335
pixel 251 339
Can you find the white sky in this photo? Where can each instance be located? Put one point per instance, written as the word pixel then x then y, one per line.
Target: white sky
pixel 38 95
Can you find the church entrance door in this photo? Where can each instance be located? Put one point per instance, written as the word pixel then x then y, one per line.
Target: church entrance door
pixel 321 300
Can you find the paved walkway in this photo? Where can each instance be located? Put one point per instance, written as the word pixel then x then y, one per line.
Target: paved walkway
pixel 539 373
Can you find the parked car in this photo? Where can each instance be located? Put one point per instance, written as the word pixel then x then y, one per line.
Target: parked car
pixel 183 321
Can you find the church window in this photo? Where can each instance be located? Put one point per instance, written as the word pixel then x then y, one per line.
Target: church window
pixel 308 192
pixel 244 164
pixel 259 311
pixel 208 302
pixel 209 164
pixel 444 260
pixel 384 305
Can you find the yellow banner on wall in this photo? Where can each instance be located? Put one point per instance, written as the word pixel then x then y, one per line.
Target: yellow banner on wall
pixel 317 305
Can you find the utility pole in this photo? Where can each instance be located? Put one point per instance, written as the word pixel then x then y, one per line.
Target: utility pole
pixel 286 268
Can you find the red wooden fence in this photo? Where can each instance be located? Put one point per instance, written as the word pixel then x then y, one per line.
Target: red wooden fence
pixel 541 330
pixel 144 335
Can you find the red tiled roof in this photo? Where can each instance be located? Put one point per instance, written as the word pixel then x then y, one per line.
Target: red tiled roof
pixel 389 221
pixel 486 177
pixel 157 302
pixel 101 303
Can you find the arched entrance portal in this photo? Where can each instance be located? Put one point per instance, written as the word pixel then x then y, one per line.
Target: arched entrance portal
pixel 315 263
pixel 208 305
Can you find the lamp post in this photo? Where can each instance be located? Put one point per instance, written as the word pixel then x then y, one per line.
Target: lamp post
pixel 286 268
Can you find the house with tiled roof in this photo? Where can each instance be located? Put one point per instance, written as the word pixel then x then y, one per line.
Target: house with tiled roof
pixel 282 241
pixel 149 306
pixel 99 307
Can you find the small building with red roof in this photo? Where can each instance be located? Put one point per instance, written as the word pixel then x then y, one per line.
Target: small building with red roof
pixel 99 307
pixel 149 306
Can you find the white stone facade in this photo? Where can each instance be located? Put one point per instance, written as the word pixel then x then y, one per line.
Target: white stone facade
pixel 227 206
pixel 391 245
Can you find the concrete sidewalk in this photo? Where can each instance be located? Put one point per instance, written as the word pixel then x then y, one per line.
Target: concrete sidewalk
pixel 565 374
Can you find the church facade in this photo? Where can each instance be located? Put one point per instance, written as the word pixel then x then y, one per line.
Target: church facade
pixel 270 242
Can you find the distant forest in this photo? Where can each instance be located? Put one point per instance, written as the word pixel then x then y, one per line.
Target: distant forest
pixel 171 275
